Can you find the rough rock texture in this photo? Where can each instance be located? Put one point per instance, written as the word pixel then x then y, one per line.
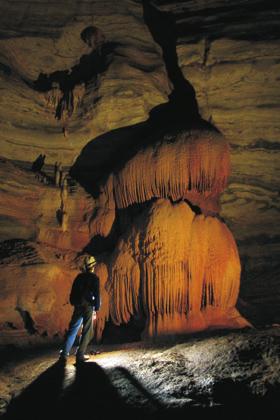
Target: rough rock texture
pixel 230 376
pixel 35 285
pixel 38 249
pixel 33 207
pixel 179 270
pixel 39 38
pixel 174 266
pixel 229 54
pixel 34 290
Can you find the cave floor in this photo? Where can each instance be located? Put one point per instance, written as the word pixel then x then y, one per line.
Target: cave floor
pixel 228 374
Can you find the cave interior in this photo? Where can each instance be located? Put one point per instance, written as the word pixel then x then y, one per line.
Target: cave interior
pixel 144 133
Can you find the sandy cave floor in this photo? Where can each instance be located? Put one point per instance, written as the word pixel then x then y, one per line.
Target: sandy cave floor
pixel 232 373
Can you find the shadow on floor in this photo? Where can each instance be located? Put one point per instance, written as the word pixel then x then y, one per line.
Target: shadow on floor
pixel 92 395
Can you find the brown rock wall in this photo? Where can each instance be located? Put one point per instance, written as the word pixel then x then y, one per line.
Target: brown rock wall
pixel 36 211
pixel 34 301
pixel 39 38
pixel 229 52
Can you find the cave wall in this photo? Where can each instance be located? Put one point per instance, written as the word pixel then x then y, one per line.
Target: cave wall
pixel 229 52
pixel 43 228
pixel 36 38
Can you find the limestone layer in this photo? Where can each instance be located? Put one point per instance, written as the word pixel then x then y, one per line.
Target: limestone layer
pixel 229 52
pixel 49 42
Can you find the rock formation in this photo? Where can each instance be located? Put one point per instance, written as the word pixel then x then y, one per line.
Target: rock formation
pixel 50 53
pixel 110 67
pixel 176 267
pixel 229 52
pixel 38 251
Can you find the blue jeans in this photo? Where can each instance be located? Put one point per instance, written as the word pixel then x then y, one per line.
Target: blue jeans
pixel 82 316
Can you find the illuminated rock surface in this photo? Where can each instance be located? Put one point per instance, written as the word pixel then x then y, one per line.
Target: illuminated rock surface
pixel 175 264
pixel 234 375
pixel 34 208
pixel 228 52
pixel 38 249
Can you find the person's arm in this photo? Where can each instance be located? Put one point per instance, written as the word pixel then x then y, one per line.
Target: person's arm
pixel 97 301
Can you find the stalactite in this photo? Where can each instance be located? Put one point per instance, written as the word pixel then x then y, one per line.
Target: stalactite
pixel 164 254
pixel 64 102
pixel 78 94
pixel 177 268
pixel 103 314
pixel 164 288
pixel 222 270
pixel 124 285
pixel 57 173
pixel 53 96
pixel 193 161
pixel 104 212
pixel 197 262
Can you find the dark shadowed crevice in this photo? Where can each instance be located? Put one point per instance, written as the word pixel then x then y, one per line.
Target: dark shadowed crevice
pixel 232 19
pixel 10 325
pixel 84 76
pixel 22 247
pixel 196 209
pixel 27 320
pixel 88 67
pixel 162 27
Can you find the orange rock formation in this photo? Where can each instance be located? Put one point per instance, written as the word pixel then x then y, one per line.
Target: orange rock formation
pixel 177 267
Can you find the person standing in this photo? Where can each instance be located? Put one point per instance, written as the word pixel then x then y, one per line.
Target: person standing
pixel 85 297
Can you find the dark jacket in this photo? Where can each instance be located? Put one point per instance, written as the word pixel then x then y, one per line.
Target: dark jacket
pixel 85 291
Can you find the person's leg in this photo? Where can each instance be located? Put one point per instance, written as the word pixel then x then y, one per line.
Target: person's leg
pixel 74 326
pixel 86 333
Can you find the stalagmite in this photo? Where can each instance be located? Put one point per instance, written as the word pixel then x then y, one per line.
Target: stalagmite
pixel 62 176
pixel 176 263
pixel 197 262
pixel 124 284
pixel 103 313
pixel 57 173
pixel 64 221
pixel 176 266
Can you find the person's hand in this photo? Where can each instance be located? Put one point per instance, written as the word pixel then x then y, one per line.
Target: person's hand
pixel 93 315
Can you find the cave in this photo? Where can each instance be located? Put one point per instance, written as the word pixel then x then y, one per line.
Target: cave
pixel 143 134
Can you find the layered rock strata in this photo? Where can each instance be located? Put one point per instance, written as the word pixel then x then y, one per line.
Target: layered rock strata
pixel 229 52
pixel 51 42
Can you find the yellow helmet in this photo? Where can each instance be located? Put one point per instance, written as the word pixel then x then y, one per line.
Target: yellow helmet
pixel 90 262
